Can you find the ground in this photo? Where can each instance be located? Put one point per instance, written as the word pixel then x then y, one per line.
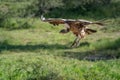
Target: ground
pixel 42 53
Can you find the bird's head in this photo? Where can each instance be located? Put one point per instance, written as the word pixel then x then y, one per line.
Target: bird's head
pixel 42 18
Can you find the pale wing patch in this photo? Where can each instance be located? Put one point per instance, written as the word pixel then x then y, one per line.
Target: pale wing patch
pixel 66 25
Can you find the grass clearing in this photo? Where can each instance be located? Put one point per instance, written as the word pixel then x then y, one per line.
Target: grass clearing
pixel 41 53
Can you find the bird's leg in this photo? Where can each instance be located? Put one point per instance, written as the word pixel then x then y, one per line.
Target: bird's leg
pixel 73 44
pixel 76 42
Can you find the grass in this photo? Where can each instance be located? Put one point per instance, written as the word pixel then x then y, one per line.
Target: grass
pixel 41 53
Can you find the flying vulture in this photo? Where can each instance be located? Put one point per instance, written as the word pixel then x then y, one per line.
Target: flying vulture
pixel 78 27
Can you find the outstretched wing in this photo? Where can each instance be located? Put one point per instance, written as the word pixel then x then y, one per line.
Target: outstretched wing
pixel 54 21
pixel 57 21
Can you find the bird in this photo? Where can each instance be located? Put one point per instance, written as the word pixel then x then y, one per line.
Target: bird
pixel 78 27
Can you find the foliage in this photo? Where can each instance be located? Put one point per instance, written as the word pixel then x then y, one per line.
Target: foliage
pixel 17 23
pixel 24 8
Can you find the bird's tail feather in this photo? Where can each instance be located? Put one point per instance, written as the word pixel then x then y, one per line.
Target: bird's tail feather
pixel 89 31
pixel 99 23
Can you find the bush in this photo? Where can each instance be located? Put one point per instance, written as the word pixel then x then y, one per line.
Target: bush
pixel 16 23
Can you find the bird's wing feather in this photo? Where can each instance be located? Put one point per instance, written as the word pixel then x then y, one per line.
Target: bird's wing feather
pixel 86 22
pixel 55 21
pixel 66 26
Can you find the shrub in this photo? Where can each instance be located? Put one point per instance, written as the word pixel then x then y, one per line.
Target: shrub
pixel 16 23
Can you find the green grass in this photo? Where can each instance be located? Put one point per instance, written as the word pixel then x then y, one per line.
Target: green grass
pixel 41 53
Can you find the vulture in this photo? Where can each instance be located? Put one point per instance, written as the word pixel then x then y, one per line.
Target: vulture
pixel 77 27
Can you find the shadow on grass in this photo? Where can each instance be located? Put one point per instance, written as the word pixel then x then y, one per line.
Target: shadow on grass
pixel 111 50
pixel 6 46
pixel 84 44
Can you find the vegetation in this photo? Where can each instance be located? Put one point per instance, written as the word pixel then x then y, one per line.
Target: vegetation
pixel 34 50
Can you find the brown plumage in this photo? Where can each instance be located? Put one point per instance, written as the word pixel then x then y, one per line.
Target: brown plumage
pixel 78 27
